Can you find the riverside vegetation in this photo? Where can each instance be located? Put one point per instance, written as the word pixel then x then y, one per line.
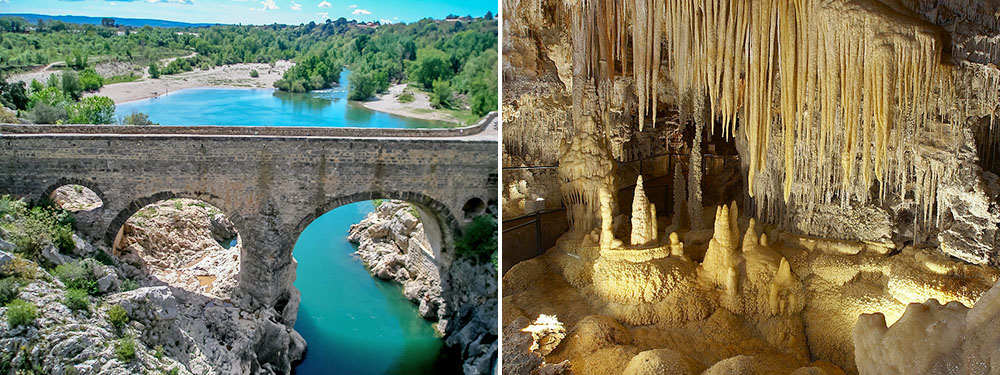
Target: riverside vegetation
pixel 455 62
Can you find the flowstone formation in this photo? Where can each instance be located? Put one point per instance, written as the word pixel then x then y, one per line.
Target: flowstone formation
pixel 862 134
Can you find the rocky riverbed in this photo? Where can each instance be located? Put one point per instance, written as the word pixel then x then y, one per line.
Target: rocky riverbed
pixel 458 294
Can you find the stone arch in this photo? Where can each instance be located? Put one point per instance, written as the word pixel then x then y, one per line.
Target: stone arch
pixel 446 222
pixel 473 207
pixel 93 186
pixel 111 235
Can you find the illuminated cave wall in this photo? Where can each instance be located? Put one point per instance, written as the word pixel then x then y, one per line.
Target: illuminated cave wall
pixel 862 120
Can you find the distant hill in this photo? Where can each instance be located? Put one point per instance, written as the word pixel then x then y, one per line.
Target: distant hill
pixel 135 22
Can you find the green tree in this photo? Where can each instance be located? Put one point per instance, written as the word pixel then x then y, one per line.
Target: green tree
pixel 441 96
pixel 360 86
pixel 77 60
pixel 93 110
pixel 154 70
pixel 36 86
pixel 13 95
pixel 90 80
pixel 71 84
pixel 431 64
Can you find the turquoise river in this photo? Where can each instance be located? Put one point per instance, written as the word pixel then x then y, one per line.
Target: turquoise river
pixel 267 107
pixel 355 323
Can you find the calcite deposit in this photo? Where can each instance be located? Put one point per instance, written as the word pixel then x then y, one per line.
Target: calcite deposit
pixel 856 230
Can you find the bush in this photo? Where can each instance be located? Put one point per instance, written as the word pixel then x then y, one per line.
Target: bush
pixel 90 80
pixel 13 95
pixel 93 110
pixel 20 268
pixel 441 96
pixel 41 225
pixel 8 116
pixel 405 97
pixel 137 118
pixel 128 285
pixel 479 241
pixel 117 316
pixel 77 276
pixel 254 73
pixel 43 113
pixel 125 348
pixel 9 288
pixel 21 313
pixel 77 299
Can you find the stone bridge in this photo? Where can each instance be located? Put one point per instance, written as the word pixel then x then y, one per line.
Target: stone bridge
pixel 270 181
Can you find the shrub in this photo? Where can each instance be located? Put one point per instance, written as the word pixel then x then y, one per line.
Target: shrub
pixel 93 110
pixel 406 96
pixel 479 241
pixel 128 285
pixel 9 288
pixel 117 316
pixel 21 313
pixel 104 258
pixel 20 268
pixel 158 352
pixel 77 299
pixel 77 276
pixel 125 348
pixel 8 116
pixel 43 113
pixel 254 73
pixel 137 118
pixel 90 80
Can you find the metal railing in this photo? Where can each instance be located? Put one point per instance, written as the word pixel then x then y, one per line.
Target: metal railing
pixel 537 221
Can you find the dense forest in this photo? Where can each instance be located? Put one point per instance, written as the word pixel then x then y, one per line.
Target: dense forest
pixel 454 61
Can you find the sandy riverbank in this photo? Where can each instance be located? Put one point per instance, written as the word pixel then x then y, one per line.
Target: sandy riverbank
pixel 226 76
pixel 420 107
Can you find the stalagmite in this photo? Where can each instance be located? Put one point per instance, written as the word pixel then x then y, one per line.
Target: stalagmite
pixel 781 298
pixel 680 218
pixel 694 183
pixel 608 240
pixel 722 257
pixel 676 246
pixel 643 217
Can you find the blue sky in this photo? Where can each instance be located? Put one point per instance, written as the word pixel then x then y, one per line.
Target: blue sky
pixel 254 11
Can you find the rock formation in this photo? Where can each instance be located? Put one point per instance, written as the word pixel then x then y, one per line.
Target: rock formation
pixel 174 326
pixel 461 295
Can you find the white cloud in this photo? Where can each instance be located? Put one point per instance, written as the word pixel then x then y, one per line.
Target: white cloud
pixel 268 5
pixel 325 4
pixel 360 11
pixel 352 6
pixel 296 6
pixel 325 15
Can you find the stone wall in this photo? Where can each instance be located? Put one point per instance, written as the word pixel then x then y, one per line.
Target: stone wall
pixel 285 131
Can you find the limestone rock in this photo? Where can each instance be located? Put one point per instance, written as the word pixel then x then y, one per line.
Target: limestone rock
pixel 52 255
pixel 661 362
